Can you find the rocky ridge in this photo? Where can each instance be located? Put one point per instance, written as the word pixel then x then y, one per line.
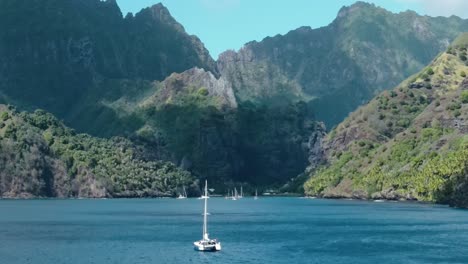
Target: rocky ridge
pixel 339 67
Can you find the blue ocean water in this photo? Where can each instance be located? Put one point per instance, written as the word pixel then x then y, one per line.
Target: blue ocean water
pixel 268 230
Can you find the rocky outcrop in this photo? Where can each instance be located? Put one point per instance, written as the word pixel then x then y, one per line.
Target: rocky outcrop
pixel 256 80
pixel 194 80
pixel 391 194
pixel 315 147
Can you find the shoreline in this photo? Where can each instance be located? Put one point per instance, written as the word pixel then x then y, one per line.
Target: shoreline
pixel 413 201
pixel 222 197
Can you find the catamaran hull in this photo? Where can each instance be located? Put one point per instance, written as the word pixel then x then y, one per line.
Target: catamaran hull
pixel 200 247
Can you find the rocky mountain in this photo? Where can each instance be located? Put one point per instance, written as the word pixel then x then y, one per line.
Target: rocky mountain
pixel 63 54
pixel 407 143
pixel 144 78
pixel 337 68
pixel 40 157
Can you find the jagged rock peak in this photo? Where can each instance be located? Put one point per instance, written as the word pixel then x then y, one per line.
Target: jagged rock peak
pixel 112 2
pixel 356 7
pixel 160 13
pixel 111 5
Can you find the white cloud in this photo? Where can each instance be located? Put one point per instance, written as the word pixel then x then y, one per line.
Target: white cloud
pixel 220 5
pixel 441 7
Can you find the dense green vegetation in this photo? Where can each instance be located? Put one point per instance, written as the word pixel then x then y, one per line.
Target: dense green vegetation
pixel 408 143
pixel 410 167
pixel 42 157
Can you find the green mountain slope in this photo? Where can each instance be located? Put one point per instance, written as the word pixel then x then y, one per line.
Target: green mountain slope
pixel 341 66
pixel 407 143
pixel 40 157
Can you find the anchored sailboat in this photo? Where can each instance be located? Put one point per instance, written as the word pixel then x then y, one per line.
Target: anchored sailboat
pixel 206 244
pixel 235 196
pixel 202 197
pixel 183 195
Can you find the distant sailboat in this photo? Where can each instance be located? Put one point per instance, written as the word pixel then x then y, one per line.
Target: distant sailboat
pixel 241 194
pixel 183 195
pixel 256 195
pixel 235 196
pixel 230 195
pixel 206 244
pixel 201 197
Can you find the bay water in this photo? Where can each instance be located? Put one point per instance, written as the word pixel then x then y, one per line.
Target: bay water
pixel 267 230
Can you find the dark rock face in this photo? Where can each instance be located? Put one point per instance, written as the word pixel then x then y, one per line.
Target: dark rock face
pixel 316 153
pixel 341 66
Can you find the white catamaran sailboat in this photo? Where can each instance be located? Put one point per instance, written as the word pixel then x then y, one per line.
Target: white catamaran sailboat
pixel 206 244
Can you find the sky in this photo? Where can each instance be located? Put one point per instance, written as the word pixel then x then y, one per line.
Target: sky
pixel 229 24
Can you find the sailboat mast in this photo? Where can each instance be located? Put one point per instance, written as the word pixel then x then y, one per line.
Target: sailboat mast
pixel 205 228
